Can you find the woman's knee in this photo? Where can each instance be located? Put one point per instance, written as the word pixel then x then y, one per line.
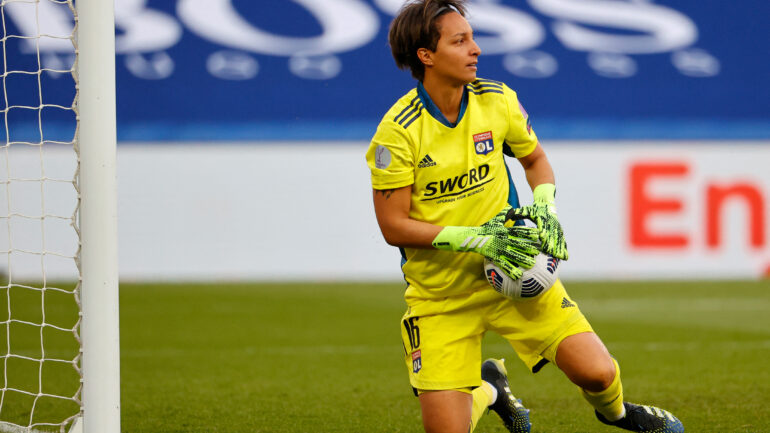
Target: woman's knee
pixel 586 362
pixel 446 411
pixel 595 378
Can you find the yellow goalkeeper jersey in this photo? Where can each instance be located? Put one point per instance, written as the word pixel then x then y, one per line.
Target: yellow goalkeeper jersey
pixel 457 172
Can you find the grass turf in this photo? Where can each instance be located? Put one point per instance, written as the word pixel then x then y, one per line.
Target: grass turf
pixel 328 358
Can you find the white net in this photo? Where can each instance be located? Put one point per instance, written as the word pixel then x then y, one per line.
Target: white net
pixel 39 234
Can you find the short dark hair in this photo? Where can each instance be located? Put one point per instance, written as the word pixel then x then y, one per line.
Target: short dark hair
pixel 415 27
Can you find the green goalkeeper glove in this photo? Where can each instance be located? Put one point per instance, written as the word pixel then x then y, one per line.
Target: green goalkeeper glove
pixel 507 247
pixel 543 213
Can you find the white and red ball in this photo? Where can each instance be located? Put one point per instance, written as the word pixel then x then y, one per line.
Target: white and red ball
pixel 532 283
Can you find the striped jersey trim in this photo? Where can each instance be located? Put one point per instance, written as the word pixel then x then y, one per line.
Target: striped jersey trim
pixel 411 105
pixel 491 83
pixel 479 87
pixel 483 91
pixel 481 81
pixel 410 113
pixel 419 113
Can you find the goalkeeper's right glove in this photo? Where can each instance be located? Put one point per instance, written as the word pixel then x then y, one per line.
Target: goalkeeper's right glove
pixel 543 213
pixel 509 248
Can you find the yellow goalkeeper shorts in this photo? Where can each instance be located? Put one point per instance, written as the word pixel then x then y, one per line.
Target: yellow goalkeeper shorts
pixel 442 338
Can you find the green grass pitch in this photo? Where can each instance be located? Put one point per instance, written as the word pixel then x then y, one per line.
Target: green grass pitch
pixel 328 358
pixel 324 357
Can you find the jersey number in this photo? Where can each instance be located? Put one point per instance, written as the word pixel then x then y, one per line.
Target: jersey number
pixel 412 331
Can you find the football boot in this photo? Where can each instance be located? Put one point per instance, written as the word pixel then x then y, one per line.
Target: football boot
pixel 514 415
pixel 648 419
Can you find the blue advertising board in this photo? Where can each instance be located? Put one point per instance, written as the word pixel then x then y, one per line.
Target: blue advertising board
pixel 322 69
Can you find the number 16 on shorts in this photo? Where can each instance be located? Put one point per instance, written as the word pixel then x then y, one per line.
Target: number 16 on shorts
pixel 413 333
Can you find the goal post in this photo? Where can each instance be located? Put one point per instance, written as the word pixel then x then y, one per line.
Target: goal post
pixel 98 216
pixel 59 315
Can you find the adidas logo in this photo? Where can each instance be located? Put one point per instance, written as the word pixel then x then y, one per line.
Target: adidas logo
pixel 426 162
pixel 565 303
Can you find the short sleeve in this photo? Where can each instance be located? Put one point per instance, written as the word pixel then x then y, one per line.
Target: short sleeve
pixel 520 140
pixel 390 157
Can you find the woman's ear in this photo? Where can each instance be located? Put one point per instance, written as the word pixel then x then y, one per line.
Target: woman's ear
pixel 425 56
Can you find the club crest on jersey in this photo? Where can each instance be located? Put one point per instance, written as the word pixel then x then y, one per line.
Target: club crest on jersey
pixel 416 361
pixel 483 143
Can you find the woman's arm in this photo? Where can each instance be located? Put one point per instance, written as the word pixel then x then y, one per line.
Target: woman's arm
pixel 537 168
pixel 392 209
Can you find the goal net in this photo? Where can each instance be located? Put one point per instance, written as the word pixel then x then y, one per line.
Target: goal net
pixel 40 344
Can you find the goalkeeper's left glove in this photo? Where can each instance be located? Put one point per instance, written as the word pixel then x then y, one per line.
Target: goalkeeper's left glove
pixel 543 213
pixel 509 248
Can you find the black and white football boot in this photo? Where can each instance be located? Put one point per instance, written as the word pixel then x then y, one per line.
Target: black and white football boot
pixel 514 415
pixel 648 419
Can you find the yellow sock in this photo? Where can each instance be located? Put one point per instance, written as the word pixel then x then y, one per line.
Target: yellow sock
pixel 610 401
pixel 482 397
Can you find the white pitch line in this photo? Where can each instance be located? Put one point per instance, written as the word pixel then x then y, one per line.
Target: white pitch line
pixel 326 349
pixel 695 346
pixel 605 307
pixel 659 346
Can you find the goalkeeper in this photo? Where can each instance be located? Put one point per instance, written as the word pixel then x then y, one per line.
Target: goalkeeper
pixel 442 191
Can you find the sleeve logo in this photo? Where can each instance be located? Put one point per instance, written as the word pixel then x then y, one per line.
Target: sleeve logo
pixel 382 157
pixel 483 143
pixel 526 117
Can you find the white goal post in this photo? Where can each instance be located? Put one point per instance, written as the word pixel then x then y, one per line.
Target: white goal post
pixel 59 315
pixel 98 216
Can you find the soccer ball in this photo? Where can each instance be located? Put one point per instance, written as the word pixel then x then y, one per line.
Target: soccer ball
pixel 532 283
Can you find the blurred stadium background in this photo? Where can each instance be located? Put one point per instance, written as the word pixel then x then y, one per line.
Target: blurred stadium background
pixel 239 121
pixel 242 128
